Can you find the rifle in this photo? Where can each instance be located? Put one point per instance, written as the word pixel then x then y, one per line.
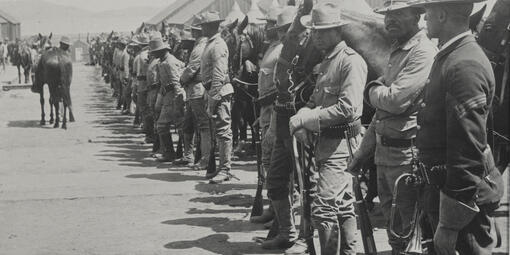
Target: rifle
pixel 303 174
pixel 258 207
pixel 211 165
pixel 364 221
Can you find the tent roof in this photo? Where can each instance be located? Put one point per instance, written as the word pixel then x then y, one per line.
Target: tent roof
pixel 7 17
pixel 166 12
pixel 255 14
pixel 235 13
pixel 186 13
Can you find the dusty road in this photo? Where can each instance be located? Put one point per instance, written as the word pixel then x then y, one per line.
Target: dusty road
pixel 93 189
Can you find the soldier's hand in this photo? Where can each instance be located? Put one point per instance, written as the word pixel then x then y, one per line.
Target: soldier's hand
pixel 354 166
pixel 250 67
pixel 445 240
pixel 303 136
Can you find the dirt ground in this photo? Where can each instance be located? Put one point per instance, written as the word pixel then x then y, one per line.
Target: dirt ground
pixel 93 189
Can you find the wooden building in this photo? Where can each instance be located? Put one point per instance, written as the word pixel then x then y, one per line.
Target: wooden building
pixel 10 27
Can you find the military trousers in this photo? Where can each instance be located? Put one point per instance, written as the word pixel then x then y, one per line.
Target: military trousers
pixel 223 130
pixel 267 127
pixel 280 169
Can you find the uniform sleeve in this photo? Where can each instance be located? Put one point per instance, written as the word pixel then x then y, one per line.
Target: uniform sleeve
pixel 468 87
pixel 125 66
pixel 399 96
pixel 367 146
pixel 350 99
pixel 193 65
pixel 219 70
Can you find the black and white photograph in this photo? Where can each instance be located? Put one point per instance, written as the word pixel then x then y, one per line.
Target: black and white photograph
pixel 296 127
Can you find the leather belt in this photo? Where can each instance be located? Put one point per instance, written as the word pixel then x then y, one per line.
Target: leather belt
pixel 338 131
pixel 287 108
pixel 397 142
pixel 141 78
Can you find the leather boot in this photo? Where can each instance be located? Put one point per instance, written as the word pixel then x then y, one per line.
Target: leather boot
pixel 300 247
pixel 166 147
pixel 266 216
pixel 329 238
pixel 225 153
pixel 287 231
pixel 188 156
pixel 348 228
pixel 205 148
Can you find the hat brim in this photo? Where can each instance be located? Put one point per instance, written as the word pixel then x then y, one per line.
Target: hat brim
pixel 160 49
pixel 210 22
pixel 196 28
pixel 66 43
pixel 423 3
pixel 384 10
pixel 306 21
pixel 276 28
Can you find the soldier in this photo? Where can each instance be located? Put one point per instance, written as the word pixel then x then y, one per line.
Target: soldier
pixel 396 98
pixel 280 169
pixel 172 96
pixel 334 107
pixel 125 90
pixel 452 134
pixel 65 43
pixel 214 75
pixel 196 104
pixel 153 86
pixel 267 95
pixel 141 64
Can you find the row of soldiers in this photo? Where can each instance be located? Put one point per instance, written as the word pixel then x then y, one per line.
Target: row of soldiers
pixel 431 111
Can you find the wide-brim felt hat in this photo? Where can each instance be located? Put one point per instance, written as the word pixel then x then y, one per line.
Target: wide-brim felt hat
pixel 209 17
pixel 141 39
pixel 285 17
pixel 157 44
pixel 272 14
pixel 324 16
pixel 392 5
pixel 65 40
pixel 422 3
pixel 186 36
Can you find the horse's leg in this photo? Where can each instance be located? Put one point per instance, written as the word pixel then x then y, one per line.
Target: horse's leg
pixel 64 117
pixel 41 100
pixel 27 74
pixel 235 123
pixel 52 106
pixel 19 74
pixel 56 104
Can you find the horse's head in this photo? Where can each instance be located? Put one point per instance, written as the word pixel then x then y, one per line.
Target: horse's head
pixel 44 41
pixel 495 28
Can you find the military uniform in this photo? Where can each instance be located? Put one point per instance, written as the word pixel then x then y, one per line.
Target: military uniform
pixel 196 116
pixel 153 86
pixel 452 137
pixel 267 95
pixel 115 71
pixel 335 105
pixel 124 79
pixel 172 99
pixel 214 75
pixel 396 96
pixel 141 64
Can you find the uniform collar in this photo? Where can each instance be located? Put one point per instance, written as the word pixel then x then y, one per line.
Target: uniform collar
pixel 454 39
pixel 214 37
pixel 338 48
pixel 460 41
pixel 409 44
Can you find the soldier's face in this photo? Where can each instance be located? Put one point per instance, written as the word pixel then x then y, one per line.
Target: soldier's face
pixel 325 39
pixel 400 23
pixel 435 18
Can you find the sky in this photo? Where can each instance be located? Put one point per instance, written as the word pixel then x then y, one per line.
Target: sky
pixel 103 5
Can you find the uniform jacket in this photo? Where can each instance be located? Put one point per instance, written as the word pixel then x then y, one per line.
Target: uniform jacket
pixel 398 99
pixel 267 69
pixel 169 72
pixel 214 68
pixel 152 74
pixel 338 96
pixel 190 78
pixel 124 64
pixel 452 120
pixel 116 57
pixel 142 65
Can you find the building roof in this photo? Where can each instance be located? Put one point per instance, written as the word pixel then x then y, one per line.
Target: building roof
pixel 7 17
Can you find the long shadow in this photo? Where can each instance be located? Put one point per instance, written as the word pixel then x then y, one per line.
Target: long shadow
pixel 216 211
pixel 167 177
pixel 234 200
pixel 221 189
pixel 217 224
pixel 28 124
pixel 219 244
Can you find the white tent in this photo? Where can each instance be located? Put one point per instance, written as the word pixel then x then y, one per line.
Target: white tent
pixel 235 13
pixel 255 14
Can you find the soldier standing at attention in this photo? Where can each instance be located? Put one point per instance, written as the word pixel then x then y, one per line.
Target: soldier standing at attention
pixel 116 84
pixel 452 134
pixel 267 95
pixel 153 86
pixel 125 90
pixel 334 107
pixel 396 98
pixel 214 73
pixel 172 96
pixel 141 64
pixel 196 104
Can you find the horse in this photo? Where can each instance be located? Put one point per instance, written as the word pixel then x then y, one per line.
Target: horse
pixel 246 43
pixel 56 70
pixel 22 58
pixel 494 37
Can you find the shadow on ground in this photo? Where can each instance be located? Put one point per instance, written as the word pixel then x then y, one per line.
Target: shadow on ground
pixel 219 244
pixel 28 124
